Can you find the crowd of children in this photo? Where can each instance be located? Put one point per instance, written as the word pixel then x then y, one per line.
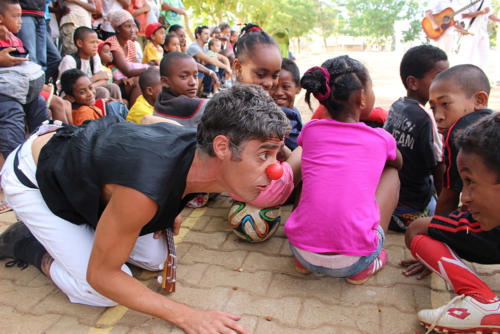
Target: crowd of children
pixel 430 173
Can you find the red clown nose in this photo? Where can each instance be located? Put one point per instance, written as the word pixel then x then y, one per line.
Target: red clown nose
pixel 274 171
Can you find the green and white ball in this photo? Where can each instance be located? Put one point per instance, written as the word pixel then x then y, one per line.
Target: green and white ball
pixel 253 224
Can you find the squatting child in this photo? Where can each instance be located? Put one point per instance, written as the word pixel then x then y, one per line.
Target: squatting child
pixel 150 84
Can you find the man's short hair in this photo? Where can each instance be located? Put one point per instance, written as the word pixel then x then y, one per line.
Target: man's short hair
pixel 4 4
pixel 198 30
pixel 419 60
pixel 170 60
pixel 242 113
pixel 68 79
pixel 290 66
pixel 81 33
pixel 482 138
pixel 148 78
pixel 470 78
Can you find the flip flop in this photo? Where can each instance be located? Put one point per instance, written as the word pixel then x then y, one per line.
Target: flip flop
pixel 4 207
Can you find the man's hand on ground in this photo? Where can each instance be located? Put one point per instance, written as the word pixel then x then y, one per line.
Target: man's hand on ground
pixel 414 267
pixel 201 322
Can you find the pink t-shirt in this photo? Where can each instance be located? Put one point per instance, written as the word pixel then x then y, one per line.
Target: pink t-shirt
pixel 341 168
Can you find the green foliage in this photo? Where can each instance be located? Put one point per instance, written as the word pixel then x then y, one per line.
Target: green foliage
pixel 375 18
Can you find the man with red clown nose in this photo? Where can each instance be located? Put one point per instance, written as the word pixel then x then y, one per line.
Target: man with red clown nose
pixel 94 197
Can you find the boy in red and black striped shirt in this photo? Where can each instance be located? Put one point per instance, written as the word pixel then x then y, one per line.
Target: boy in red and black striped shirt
pixel 458 97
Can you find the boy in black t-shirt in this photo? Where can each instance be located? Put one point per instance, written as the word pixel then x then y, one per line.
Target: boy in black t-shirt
pixel 416 135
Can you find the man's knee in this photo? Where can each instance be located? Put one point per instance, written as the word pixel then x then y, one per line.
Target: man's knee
pixel 417 227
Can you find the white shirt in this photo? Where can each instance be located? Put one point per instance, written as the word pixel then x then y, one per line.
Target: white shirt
pixel 77 15
pixel 68 62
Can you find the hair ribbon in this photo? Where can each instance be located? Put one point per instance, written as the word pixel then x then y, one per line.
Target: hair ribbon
pixel 326 95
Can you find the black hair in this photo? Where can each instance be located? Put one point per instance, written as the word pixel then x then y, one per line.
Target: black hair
pixel 168 37
pixel 347 75
pixel 174 28
pixel 148 78
pixel 290 66
pixel 137 23
pixel 198 30
pixel 419 60
pixel 482 138
pixel 4 4
pixel 81 33
pixel 223 26
pixel 470 78
pixel 249 37
pixel 212 41
pixel 169 60
pixel 68 79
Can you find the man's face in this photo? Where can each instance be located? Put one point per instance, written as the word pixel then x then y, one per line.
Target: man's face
pixel 481 189
pixel 204 36
pixel 246 176
pixel 182 78
pixel 449 103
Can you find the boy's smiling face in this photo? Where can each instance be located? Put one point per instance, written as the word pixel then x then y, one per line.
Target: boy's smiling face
pixel 481 189
pixel 11 18
pixel 83 92
pixel 182 78
pixel 284 93
pixel 449 102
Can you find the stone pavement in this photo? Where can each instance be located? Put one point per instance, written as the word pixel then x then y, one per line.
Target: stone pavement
pixel 216 270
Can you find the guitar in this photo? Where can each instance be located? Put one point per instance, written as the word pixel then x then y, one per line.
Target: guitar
pixel 167 280
pixel 444 20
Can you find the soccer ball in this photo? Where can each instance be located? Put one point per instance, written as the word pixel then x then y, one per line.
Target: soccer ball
pixel 251 223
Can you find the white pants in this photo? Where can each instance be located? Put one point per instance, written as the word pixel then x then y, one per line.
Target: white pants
pixel 69 244
pixel 474 50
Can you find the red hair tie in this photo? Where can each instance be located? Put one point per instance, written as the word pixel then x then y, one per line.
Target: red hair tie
pixel 255 28
pixel 322 96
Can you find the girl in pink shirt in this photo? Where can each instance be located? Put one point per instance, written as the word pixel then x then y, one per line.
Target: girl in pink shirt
pixel 338 228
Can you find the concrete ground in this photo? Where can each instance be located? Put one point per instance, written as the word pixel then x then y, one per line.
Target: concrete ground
pixel 216 270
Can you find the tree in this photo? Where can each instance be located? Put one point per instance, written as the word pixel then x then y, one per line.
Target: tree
pixel 375 18
pixel 329 20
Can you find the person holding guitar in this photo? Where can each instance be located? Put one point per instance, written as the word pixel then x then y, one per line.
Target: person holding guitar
pixel 96 196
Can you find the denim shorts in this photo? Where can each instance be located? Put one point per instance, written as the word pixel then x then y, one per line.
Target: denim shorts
pixel 354 269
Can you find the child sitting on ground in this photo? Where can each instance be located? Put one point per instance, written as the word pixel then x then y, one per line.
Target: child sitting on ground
pixel 339 225
pixel 88 61
pixel 150 84
pixel 80 92
pixel 415 132
pixel 472 235
pixel 153 52
pixel 284 96
pixel 172 44
pixel 458 98
pixel 104 52
pixel 177 99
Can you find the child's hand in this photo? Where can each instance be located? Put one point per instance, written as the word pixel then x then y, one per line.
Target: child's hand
pixel 414 267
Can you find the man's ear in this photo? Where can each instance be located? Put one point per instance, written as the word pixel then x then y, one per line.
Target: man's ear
pixel 412 83
pixel 222 147
pixel 165 82
pixel 480 100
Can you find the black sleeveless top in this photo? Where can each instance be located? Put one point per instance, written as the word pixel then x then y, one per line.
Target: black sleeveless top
pixel 78 161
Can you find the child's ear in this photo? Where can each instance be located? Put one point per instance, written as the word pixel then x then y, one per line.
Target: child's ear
pixel 69 98
pixel 149 91
pixel 298 89
pixel 412 83
pixel 165 82
pixel 222 147
pixel 79 43
pixel 480 100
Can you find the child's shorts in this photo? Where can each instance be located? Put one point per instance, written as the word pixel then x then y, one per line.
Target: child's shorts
pixel 404 215
pixel 348 271
pixel 466 238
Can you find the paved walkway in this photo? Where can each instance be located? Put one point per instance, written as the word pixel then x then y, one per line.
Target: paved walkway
pixel 218 271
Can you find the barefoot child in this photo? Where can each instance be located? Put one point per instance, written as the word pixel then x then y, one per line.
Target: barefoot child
pixel 338 228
